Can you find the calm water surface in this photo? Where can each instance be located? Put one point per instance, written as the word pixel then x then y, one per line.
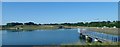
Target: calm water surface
pixel 40 37
pixel 49 37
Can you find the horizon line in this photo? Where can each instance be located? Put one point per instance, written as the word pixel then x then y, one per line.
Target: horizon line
pixel 59 22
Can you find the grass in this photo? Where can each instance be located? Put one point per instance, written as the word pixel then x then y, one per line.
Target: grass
pixel 113 31
pixel 75 43
pixel 104 43
pixel 31 27
pixel 93 43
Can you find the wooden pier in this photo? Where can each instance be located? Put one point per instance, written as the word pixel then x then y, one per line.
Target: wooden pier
pixel 95 37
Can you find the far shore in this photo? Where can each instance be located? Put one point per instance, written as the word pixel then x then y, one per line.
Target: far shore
pixel 113 31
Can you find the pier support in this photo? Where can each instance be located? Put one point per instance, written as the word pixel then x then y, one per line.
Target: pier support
pixel 89 39
pixel 96 40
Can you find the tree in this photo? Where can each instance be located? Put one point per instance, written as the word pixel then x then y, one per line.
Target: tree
pixel 29 23
pixel 80 24
pixel 14 24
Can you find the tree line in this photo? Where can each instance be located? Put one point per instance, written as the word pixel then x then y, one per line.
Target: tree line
pixel 86 24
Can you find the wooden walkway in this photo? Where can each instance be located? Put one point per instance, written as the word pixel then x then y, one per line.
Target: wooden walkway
pixel 94 37
pixel 100 36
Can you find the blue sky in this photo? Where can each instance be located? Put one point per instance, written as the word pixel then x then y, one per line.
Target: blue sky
pixel 59 12
pixel 0 13
pixel 60 0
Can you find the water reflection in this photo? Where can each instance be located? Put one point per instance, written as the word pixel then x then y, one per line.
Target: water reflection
pixel 40 37
pixel 20 30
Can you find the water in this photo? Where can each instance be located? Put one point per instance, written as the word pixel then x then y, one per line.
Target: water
pixel 40 37
pixel 48 37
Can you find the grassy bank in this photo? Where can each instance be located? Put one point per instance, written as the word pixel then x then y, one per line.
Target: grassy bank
pixel 113 31
pixel 94 43
pixel 29 27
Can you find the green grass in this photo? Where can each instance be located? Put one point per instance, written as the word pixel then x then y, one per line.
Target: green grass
pixel 113 31
pixel 93 43
pixel 104 43
pixel 30 27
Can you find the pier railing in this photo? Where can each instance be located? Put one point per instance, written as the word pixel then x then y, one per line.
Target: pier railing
pixel 100 36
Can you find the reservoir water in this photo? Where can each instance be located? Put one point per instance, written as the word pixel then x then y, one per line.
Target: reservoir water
pixel 45 37
pixel 40 37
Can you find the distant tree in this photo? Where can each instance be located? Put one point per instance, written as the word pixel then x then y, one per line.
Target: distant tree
pixel 10 24
pixel 18 23
pixel 88 24
pixel 80 24
pixel 68 24
pixel 117 23
pixel 14 24
pixel 39 24
pixel 29 23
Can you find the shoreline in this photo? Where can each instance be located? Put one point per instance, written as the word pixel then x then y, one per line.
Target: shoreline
pixel 113 31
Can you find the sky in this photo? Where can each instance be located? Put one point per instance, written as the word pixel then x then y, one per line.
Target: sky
pixel 0 23
pixel 0 13
pixel 60 0
pixel 59 12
